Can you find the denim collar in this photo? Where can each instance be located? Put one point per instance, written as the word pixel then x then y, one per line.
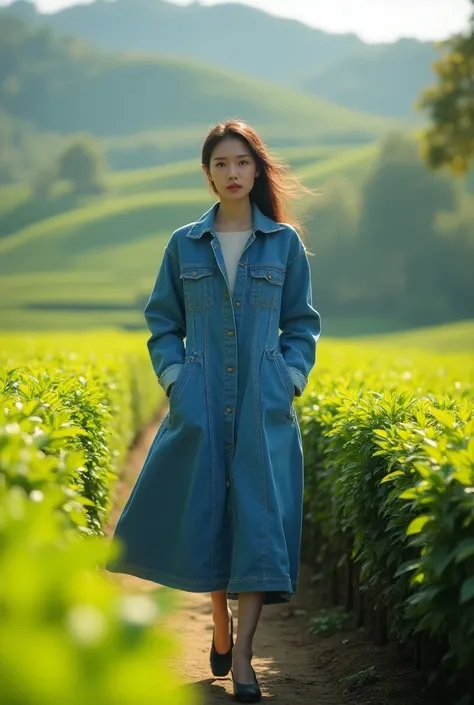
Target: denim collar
pixel 261 223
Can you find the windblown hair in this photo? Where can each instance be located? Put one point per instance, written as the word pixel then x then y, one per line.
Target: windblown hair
pixel 275 187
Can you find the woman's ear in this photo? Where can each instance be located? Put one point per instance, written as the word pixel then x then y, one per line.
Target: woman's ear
pixel 207 175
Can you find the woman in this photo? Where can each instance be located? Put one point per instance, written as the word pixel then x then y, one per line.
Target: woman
pixel 218 504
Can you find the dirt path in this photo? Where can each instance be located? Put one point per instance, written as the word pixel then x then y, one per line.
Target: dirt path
pixel 293 667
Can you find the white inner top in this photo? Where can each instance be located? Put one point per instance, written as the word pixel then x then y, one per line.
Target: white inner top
pixel 232 245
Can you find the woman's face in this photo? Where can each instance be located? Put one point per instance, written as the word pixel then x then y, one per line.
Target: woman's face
pixel 232 169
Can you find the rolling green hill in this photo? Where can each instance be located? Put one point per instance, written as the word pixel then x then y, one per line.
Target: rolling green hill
pixel 66 87
pixel 351 164
pixel 94 263
pixel 146 110
pixel 200 33
pixel 187 174
pixel 18 209
pixel 91 266
pixel 79 262
pixel 383 79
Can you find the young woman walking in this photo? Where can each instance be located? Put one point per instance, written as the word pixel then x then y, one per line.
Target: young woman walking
pixel 217 506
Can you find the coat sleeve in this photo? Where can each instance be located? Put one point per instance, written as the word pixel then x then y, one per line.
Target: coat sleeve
pixel 300 323
pixel 165 318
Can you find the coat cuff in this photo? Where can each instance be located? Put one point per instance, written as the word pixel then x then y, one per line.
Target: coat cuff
pixel 298 379
pixel 170 375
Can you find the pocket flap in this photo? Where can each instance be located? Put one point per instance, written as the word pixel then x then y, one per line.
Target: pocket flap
pixel 196 272
pixel 274 275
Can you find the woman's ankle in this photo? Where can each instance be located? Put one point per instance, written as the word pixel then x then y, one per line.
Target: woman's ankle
pixel 243 652
pixel 220 617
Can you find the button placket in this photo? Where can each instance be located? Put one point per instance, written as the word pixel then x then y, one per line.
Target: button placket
pixel 230 365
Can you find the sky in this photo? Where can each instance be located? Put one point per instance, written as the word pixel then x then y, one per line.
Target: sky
pixel 372 20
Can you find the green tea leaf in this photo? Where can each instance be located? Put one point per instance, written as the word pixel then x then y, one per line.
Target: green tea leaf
pixel 417 524
pixel 465 550
pixel 467 591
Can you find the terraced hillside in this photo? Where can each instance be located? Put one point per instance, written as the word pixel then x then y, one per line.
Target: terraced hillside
pixel 93 264
pixel 71 262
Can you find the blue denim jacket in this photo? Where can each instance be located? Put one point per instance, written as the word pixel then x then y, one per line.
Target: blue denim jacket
pixel 218 503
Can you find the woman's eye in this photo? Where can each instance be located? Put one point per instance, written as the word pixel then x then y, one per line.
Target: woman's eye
pixel 244 161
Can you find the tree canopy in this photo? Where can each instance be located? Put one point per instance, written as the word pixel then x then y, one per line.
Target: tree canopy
pixel 449 142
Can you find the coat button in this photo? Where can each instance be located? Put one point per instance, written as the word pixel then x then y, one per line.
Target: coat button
pixel 238 304
pixel 227 484
pixel 269 275
pixel 230 333
pixel 231 369
pixel 228 410
pixel 194 274
pixel 228 446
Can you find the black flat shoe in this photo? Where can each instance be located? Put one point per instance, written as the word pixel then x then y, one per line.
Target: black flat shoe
pixel 222 663
pixel 244 693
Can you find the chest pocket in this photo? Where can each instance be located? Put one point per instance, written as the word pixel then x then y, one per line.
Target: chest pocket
pixel 198 287
pixel 266 286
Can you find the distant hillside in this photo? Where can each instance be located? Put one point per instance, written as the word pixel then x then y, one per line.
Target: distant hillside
pixel 263 45
pixel 383 79
pixel 386 80
pixel 64 86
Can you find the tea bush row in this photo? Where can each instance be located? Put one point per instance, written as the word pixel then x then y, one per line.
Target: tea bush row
pixel 389 499
pixel 67 632
pixel 76 410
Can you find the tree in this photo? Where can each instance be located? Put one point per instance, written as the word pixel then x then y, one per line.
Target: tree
pixel 455 232
pixel 400 203
pixel 450 140
pixel 82 165
pixel 331 222
pixel 42 184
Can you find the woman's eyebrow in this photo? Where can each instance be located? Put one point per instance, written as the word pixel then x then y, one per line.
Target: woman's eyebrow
pixel 222 159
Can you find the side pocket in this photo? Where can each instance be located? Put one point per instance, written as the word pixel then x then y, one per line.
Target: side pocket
pixel 178 387
pixel 285 375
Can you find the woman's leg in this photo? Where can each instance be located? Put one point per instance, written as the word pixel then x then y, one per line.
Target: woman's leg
pixel 221 617
pixel 250 607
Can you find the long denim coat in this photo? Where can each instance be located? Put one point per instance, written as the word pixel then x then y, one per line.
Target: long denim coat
pixel 218 503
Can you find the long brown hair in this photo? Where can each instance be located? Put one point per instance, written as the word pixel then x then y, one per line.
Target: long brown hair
pixel 275 187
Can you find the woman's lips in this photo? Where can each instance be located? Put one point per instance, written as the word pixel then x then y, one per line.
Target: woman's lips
pixel 233 187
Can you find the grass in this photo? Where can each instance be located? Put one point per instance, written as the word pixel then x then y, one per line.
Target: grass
pixel 448 338
pixel 11 196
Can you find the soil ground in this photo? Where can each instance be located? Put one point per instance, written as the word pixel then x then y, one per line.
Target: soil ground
pixel 293 666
